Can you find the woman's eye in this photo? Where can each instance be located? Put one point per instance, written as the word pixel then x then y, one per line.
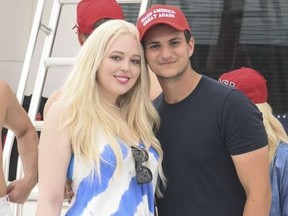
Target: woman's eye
pixel 116 58
pixel 135 61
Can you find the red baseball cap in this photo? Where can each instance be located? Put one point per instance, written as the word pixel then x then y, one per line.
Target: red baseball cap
pixel 249 81
pixel 90 11
pixel 162 14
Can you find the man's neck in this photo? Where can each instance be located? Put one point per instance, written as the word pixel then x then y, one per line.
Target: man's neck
pixel 179 89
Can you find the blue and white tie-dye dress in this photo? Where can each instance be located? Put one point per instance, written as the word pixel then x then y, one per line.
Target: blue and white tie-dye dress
pixel 110 195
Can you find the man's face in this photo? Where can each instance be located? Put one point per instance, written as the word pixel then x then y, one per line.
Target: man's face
pixel 167 51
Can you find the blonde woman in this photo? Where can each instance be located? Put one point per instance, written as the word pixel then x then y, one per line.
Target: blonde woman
pixel 253 85
pixel 100 131
pixel 90 15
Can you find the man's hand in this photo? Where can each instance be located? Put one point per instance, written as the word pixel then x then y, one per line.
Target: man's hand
pixel 68 193
pixel 19 190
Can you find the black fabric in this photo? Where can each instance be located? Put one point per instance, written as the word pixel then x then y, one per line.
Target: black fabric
pixel 13 162
pixel 198 136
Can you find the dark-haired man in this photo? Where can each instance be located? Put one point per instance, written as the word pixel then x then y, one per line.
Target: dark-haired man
pixel 213 138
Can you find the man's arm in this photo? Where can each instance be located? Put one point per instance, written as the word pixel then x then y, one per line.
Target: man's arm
pixel 18 121
pixel 253 171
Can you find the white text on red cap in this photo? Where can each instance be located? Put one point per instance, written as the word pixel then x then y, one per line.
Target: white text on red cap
pixel 157 13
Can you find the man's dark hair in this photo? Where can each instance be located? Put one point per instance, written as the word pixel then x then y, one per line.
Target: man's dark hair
pixel 96 25
pixel 100 22
pixel 187 35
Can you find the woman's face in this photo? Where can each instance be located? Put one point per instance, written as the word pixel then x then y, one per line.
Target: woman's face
pixel 120 68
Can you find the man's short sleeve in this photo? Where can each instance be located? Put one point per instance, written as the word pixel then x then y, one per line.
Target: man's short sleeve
pixel 242 124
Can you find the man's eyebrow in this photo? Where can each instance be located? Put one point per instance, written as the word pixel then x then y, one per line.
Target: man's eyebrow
pixel 153 42
pixel 176 38
pixel 157 42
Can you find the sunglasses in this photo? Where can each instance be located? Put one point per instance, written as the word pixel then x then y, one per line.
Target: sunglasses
pixel 143 173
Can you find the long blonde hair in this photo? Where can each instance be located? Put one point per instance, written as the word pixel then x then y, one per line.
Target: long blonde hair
pixel 89 116
pixel 274 129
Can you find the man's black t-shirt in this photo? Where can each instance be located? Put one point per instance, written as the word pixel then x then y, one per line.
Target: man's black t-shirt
pixel 198 136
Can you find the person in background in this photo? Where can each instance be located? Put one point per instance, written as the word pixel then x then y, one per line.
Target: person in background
pixel 253 85
pixel 100 131
pixel 213 138
pixel 15 118
pixel 90 15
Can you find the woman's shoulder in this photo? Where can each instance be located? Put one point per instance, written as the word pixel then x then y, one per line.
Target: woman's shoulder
pixel 51 100
pixel 56 113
